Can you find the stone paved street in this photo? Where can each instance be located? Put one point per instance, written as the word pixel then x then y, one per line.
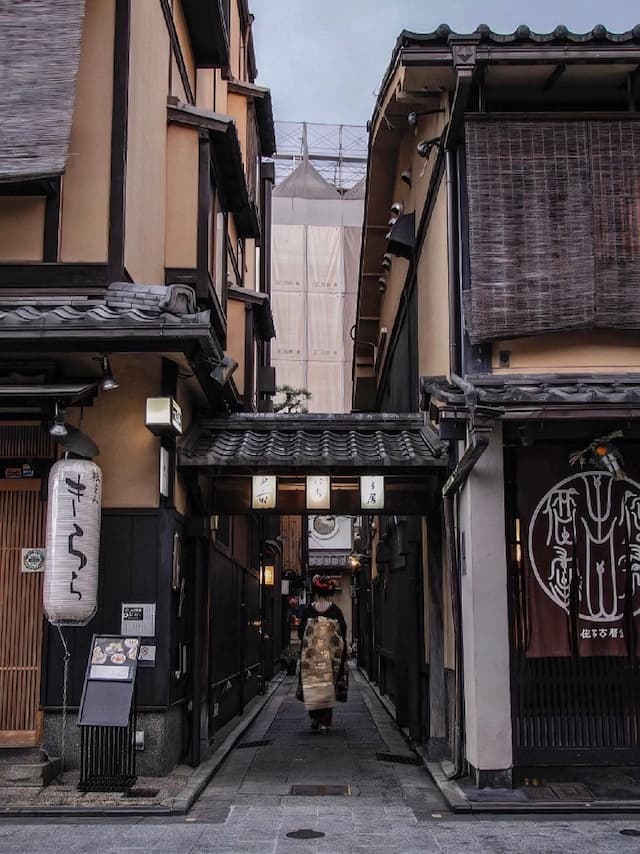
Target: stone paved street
pixel 388 806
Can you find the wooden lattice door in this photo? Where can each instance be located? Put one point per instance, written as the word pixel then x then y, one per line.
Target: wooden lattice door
pixel 22 526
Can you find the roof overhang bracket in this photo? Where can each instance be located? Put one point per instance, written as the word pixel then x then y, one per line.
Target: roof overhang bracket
pixel 464 50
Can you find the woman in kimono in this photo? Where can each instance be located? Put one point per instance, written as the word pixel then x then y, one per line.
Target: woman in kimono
pixel 323 633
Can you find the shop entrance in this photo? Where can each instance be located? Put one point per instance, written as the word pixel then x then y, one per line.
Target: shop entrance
pixel 574 610
pixel 25 456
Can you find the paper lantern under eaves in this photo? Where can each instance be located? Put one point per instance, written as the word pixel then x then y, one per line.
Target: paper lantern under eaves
pixel 73 542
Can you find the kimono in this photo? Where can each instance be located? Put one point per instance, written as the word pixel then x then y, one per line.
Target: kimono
pixel 322 656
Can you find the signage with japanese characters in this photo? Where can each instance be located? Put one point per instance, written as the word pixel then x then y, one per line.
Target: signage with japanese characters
pixel 372 493
pixel 581 558
pixel 263 493
pixel 318 492
pixel 138 618
pixel 73 542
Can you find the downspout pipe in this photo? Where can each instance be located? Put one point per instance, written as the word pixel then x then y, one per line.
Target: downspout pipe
pixel 453 261
pixel 451 488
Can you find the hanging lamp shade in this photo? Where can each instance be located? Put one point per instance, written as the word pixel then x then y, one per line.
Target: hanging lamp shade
pixel 73 542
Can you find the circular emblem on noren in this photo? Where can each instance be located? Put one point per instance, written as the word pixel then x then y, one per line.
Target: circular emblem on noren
pixel 584 539
pixel 325 526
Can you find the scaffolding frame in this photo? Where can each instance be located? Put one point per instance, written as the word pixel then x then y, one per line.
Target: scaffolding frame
pixel 338 152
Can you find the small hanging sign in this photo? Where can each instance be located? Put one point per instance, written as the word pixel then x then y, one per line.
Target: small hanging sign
pixel 318 492
pixel 32 560
pixel 263 492
pixel 372 493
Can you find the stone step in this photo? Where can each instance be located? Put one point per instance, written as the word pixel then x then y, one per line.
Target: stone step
pixel 22 755
pixel 27 767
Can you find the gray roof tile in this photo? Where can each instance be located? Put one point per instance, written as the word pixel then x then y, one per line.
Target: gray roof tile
pixel 354 443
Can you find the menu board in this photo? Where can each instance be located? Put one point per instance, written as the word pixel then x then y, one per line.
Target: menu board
pixel 113 658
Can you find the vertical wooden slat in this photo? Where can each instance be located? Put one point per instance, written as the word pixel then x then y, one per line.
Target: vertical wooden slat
pixel 22 525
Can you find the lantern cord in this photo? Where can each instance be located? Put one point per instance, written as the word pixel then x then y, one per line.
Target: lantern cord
pixel 67 657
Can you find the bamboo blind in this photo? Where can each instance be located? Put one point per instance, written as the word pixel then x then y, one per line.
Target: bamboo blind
pixel 554 226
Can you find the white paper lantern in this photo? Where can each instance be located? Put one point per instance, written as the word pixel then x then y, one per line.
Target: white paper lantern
pixel 73 542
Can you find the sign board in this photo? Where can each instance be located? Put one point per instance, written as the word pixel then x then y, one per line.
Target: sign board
pixel 32 560
pixel 109 681
pixel 138 618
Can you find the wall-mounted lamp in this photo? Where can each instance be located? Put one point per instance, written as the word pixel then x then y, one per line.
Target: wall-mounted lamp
pixel 163 414
pixel 392 221
pixel 354 561
pixel 406 177
pixel 425 146
pixel 382 284
pixel 412 118
pixel 268 575
pixel 223 369
pixel 108 382
pixel 397 208
pixel 58 428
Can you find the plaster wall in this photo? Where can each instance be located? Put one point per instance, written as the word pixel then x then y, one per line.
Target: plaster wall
pixel 146 163
pixel 429 127
pixel 237 107
pixel 84 222
pixel 235 339
pixel 390 303
pixel 181 197
pixel 129 453
pixel 250 263
pixel 433 294
pixel 234 39
pixel 582 350
pixel 221 92
pixel 185 42
pixel 177 86
pixel 205 88
pixel 21 228
pixel 485 613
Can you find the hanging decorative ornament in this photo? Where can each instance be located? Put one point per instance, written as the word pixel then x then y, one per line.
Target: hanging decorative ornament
pixel 603 454
pixel 73 542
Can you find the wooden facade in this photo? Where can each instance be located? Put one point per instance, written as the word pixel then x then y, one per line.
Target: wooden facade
pixel 157 182
pixel 499 298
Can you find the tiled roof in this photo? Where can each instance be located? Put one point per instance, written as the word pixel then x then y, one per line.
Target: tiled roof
pixel 558 389
pixel 359 443
pixel 523 33
pixel 133 311
pixel 92 315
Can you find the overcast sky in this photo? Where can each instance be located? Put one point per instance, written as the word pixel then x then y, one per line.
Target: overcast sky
pixel 324 59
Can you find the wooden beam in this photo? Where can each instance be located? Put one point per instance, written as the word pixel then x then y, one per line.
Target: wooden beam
pixel 119 123
pixel 555 75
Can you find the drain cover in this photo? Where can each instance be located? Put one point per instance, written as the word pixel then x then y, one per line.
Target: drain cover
pixel 630 831
pixel 263 743
pixel 572 791
pixel 305 834
pixel 141 793
pixel 312 791
pixel 538 793
pixel 403 758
